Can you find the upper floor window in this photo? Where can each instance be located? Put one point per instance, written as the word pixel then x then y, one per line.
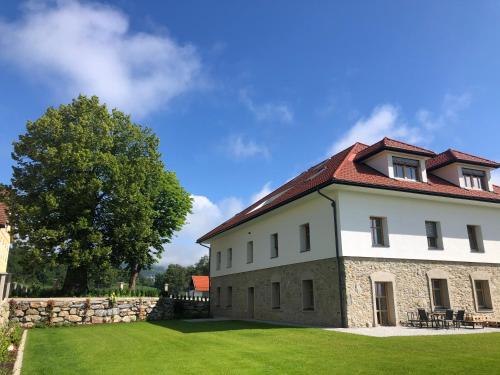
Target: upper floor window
pixel 474 179
pixel 250 252
pixel 274 245
pixel 305 238
pixel 475 238
pixel 218 260
pixel 434 240
pixel 408 169
pixel 379 231
pixel 229 258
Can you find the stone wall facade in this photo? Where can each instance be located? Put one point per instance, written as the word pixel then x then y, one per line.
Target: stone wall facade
pixel 30 312
pixel 412 289
pixel 325 284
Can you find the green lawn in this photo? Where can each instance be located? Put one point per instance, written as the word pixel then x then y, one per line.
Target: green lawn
pixel 177 347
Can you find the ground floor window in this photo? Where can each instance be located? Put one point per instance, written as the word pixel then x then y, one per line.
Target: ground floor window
pixel 276 295
pixel 483 296
pixel 229 303
pixel 440 299
pixel 307 295
pixel 217 297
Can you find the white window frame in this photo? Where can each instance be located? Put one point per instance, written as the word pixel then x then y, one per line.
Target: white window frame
pixel 305 237
pixel 274 246
pixel 229 260
pixel 249 252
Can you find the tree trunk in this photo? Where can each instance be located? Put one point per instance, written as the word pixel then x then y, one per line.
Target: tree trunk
pixel 134 274
pixel 76 281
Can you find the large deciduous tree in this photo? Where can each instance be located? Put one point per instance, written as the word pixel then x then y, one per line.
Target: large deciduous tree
pixel 89 190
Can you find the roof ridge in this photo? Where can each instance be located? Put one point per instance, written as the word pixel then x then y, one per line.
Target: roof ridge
pixel 471 155
pixel 409 144
pixel 346 157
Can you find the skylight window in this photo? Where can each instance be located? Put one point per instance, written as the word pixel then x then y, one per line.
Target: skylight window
pixel 269 200
pixel 316 174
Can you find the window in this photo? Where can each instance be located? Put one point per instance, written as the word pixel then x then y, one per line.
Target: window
pixel 434 240
pixel 307 295
pixel 250 252
pixel 408 169
pixel 474 179
pixel 217 297
pixel 276 295
pixel 305 238
pixel 440 299
pixel 218 260
pixel 475 238
pixel 274 245
pixel 229 303
pixel 483 296
pixel 379 231
pixel 229 258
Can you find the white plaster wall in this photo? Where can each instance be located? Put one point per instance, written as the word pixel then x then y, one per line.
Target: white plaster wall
pixel 4 248
pixel 406 223
pixel 382 162
pixel 285 221
pixel 453 174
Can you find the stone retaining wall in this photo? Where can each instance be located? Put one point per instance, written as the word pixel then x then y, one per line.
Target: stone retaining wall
pixel 30 312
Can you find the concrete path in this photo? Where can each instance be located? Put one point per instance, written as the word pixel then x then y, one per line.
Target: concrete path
pixel 409 331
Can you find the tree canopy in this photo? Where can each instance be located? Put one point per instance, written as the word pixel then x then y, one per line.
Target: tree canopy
pixel 89 190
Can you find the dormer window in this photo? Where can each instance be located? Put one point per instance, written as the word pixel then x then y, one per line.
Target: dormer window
pixel 474 179
pixel 407 169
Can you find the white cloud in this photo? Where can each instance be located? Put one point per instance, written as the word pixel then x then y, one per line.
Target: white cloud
pixel 387 121
pixel 205 216
pixel 267 111
pixel 451 107
pixel 495 177
pixel 266 190
pixel 384 121
pixel 86 47
pixel 240 148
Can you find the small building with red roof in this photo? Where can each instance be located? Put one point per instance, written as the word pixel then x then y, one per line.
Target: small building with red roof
pixel 199 286
pixel 362 238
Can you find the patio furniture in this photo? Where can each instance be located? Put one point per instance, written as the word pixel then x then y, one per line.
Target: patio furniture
pixel 472 320
pixel 459 318
pixel 423 318
pixel 448 318
pixel 412 319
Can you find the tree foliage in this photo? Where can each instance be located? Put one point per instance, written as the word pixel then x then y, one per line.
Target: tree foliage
pixel 89 190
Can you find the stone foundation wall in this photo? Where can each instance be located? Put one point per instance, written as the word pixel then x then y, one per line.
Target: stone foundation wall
pixel 30 312
pixel 325 281
pixel 411 289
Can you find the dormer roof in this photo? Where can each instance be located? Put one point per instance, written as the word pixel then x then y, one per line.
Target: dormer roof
pixel 453 156
pixel 393 145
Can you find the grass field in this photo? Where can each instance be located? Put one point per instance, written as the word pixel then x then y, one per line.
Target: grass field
pixel 177 347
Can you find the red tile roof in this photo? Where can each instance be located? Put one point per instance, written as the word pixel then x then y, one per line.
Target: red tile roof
pixel 345 168
pixel 393 145
pixel 452 156
pixel 201 283
pixel 3 214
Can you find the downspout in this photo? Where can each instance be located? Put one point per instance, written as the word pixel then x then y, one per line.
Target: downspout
pixel 337 253
pixel 209 276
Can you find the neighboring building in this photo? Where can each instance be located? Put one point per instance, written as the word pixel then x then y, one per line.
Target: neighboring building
pixel 199 286
pixel 4 239
pixel 362 238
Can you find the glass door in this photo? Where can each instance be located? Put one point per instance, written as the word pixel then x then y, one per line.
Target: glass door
pixel 381 303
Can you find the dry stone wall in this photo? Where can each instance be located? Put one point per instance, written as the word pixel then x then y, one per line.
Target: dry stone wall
pixel 72 311
pixel 4 313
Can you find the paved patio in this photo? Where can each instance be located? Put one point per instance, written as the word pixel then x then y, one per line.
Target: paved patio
pixel 409 331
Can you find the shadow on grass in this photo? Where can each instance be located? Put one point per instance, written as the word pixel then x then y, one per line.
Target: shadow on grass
pixel 215 326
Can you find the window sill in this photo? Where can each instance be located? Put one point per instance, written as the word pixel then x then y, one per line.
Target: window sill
pixel 274 257
pixel 485 311
pixel 305 251
pixel 277 309
pixel 477 251
pixel 249 262
pixel 381 246
pixel 436 248
pixel 311 309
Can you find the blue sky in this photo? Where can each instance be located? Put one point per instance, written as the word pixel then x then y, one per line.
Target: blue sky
pixel 245 95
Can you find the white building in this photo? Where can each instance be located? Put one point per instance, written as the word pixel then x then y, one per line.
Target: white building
pixel 363 238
